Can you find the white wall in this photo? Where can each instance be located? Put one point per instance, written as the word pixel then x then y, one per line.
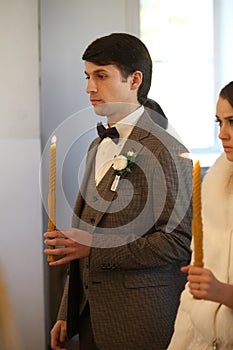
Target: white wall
pixel 21 249
pixel 223 43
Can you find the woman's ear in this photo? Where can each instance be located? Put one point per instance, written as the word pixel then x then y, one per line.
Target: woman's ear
pixel 136 79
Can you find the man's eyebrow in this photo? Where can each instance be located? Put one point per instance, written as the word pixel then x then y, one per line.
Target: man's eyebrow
pixel 97 71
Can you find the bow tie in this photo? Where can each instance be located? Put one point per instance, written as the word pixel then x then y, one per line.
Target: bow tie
pixel 110 132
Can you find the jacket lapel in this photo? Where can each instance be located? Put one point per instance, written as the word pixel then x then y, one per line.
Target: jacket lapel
pixel 85 182
pixel 133 143
pixel 139 132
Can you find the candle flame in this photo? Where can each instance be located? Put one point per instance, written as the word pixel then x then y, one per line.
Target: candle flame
pixel 185 155
pixel 54 139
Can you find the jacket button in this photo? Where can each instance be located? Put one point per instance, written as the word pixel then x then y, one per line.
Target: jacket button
pixel 92 221
pixel 95 198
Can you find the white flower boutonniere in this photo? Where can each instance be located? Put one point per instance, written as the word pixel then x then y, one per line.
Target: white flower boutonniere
pixel 122 164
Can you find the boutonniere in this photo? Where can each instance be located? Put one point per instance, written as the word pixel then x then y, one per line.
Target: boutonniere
pixel 122 164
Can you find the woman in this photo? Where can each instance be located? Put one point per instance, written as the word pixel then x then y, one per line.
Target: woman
pixel 205 316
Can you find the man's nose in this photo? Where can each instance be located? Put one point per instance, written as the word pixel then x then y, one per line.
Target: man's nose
pixel 91 86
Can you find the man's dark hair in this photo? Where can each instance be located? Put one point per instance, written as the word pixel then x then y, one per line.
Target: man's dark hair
pixel 227 93
pixel 127 53
pixel 156 113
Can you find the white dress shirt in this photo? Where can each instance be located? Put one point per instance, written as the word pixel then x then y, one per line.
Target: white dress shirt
pixel 107 149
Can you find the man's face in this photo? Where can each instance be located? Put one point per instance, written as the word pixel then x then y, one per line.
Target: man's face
pixel 110 94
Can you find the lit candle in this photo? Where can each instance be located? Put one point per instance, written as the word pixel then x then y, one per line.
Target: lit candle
pixel 52 192
pixel 197 218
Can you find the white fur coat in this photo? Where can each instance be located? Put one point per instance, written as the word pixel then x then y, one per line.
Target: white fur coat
pixel 199 322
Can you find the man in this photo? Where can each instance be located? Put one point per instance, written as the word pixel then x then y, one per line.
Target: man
pixel 132 221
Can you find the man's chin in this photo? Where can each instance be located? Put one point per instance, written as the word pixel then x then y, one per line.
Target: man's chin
pixel 101 110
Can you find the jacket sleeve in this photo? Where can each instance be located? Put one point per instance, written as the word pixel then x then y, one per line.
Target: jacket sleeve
pixel 62 312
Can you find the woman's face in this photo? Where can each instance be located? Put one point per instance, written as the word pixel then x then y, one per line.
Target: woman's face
pixel 224 116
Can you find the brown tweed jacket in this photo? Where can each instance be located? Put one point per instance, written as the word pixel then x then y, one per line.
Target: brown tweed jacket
pixel 141 237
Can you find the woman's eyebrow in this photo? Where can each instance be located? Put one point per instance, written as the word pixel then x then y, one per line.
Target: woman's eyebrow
pixel 228 117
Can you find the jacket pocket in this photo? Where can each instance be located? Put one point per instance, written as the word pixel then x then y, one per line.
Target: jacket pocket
pixel 145 280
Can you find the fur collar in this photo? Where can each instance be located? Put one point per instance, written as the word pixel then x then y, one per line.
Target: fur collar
pixel 217 194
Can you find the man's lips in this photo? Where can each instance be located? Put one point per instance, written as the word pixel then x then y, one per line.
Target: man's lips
pixel 96 101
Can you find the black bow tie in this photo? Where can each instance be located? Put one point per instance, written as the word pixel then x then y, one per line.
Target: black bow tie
pixel 110 132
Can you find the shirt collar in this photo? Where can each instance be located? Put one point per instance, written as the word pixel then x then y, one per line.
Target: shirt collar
pixel 125 125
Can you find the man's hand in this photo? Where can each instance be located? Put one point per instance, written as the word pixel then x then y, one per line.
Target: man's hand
pixel 58 335
pixel 71 244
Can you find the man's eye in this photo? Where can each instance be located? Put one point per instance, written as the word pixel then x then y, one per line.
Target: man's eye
pixel 87 77
pixel 101 76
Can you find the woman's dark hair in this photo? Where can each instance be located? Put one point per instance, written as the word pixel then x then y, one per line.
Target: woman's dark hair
pixel 227 93
pixel 127 53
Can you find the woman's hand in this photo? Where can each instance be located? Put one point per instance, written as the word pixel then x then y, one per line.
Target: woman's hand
pixel 204 285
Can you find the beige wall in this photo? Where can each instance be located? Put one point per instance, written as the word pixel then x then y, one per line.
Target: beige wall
pixel 21 246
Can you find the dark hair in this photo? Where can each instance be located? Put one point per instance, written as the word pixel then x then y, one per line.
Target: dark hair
pixel 227 93
pixel 156 113
pixel 127 53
